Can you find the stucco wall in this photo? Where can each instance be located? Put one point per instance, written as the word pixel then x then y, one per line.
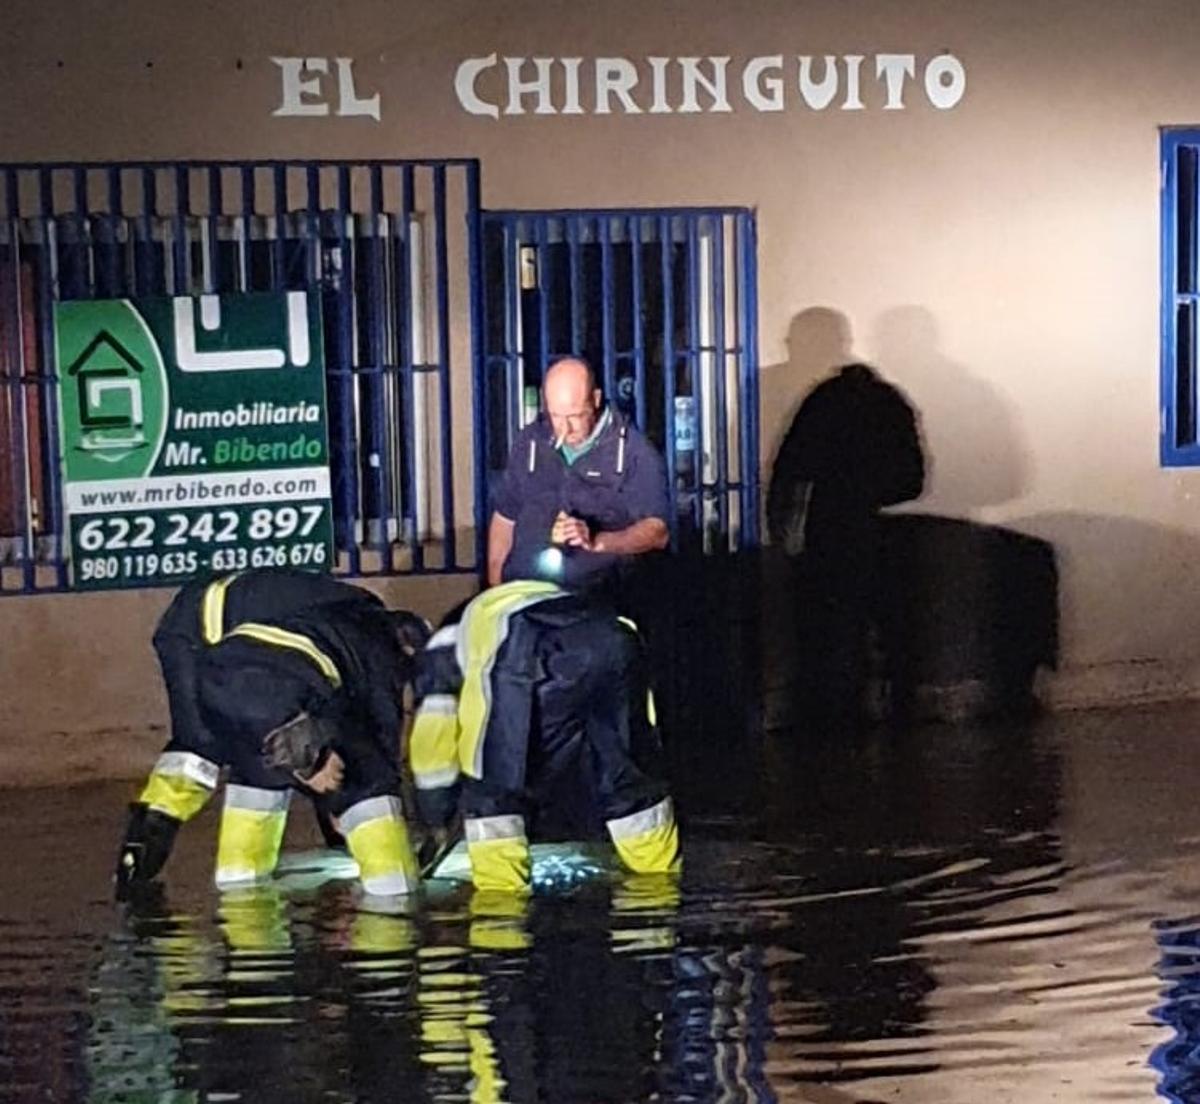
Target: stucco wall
pixel 997 259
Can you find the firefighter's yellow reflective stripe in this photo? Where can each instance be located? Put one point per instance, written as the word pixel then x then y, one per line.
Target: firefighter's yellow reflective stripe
pixel 433 742
pixel 177 795
pixel 651 708
pixel 377 837
pixel 482 632
pixel 189 765
pixel 212 610
pixel 252 824
pixel 499 853
pixel 297 642
pixel 647 842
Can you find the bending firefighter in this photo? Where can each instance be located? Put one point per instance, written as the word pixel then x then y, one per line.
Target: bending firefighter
pixel 292 681
pixel 538 697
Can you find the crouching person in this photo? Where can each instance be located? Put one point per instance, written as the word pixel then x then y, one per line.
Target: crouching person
pixel 532 692
pixel 292 681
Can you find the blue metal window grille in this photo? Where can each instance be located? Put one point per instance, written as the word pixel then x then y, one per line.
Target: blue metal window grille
pixel 663 303
pixel 1179 431
pixel 394 247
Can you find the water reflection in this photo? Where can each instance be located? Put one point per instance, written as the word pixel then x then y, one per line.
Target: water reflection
pixel 917 919
pixel 1178 1059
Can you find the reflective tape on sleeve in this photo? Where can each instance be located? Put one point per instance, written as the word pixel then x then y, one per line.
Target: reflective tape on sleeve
pixel 294 641
pixel 212 610
pixel 479 829
pixel 186 764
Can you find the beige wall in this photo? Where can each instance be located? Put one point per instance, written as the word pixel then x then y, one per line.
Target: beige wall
pixel 79 681
pixel 999 259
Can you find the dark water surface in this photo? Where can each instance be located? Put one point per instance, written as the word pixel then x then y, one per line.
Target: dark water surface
pixel 1007 913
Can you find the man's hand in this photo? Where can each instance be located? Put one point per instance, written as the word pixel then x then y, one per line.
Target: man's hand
pixel 571 532
pixel 329 777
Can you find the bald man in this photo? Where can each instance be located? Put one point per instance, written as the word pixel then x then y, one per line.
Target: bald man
pixel 584 492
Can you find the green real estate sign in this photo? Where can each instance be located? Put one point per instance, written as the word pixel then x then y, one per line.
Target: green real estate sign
pixel 193 436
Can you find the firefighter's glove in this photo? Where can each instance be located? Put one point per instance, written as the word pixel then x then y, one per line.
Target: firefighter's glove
pixel 412 631
pixel 301 746
pixel 149 837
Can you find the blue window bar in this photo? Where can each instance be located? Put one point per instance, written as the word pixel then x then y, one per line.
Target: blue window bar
pixel 395 249
pixel 662 302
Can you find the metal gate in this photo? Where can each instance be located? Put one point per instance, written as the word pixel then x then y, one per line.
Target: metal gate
pixel 663 303
pixel 393 246
pixel 438 322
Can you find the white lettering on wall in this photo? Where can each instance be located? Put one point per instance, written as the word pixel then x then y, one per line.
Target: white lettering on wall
pixel 763 93
pixel 492 86
pixel 945 81
pixel 571 105
pixel 303 92
pixel 892 69
pixel 658 73
pixel 539 86
pixel 464 86
pixel 297 86
pixel 694 79
pixel 349 101
pixel 852 102
pixel 818 94
pixel 616 76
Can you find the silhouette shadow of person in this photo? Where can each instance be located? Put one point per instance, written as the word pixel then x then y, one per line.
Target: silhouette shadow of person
pixel 852 449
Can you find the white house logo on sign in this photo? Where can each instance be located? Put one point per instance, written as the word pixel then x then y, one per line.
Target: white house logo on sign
pixel 191 359
pixel 493 86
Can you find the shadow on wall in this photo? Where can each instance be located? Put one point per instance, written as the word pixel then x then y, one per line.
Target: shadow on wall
pixel 975 453
pixel 819 339
pixel 909 614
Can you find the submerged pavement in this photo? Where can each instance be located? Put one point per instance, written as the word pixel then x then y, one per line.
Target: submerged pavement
pixel 1003 912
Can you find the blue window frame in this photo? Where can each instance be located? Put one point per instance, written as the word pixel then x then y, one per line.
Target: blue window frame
pixel 1179 423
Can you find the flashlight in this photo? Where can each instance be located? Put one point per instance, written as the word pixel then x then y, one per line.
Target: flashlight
pixel 550 562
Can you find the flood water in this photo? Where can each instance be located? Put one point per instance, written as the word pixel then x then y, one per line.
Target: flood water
pixel 1004 913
